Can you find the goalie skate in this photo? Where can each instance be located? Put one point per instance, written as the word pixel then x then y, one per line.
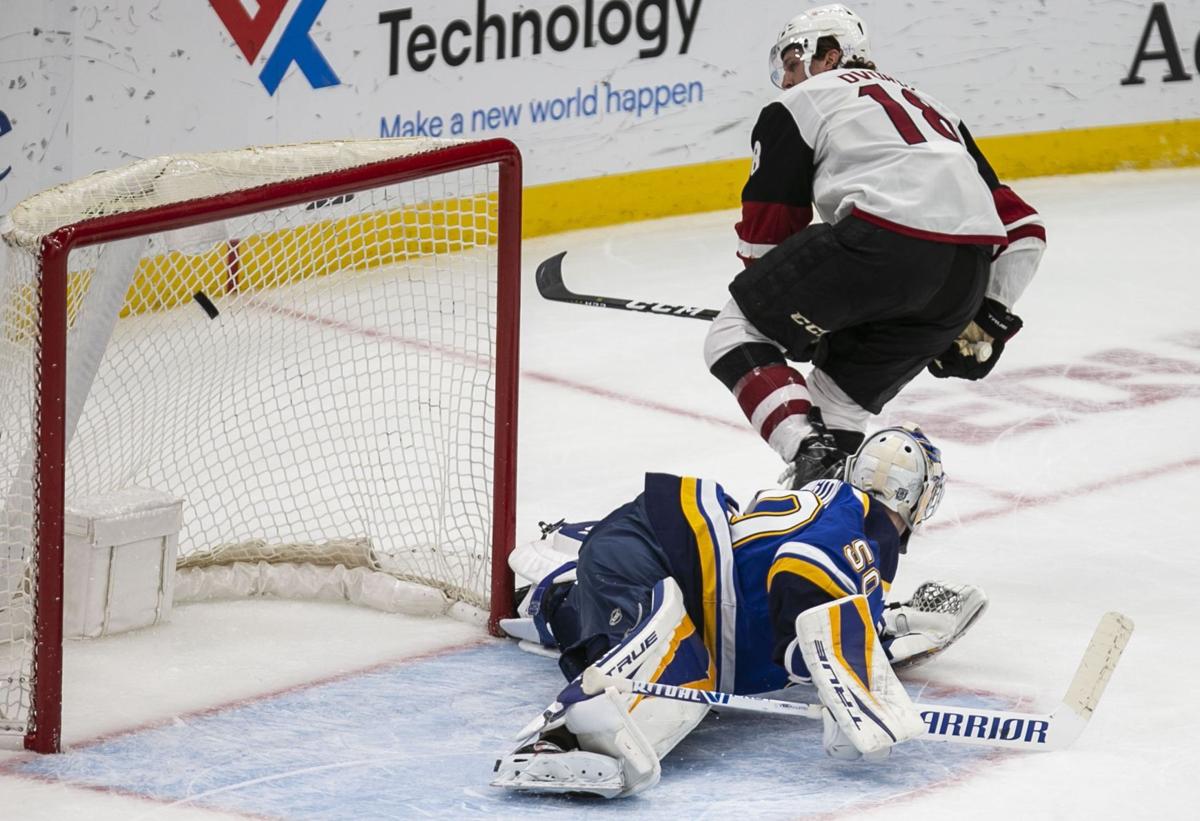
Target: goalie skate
pixel 544 767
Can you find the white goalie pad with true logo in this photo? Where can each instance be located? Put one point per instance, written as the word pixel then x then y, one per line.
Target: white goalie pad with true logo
pixel 632 731
pixel 853 676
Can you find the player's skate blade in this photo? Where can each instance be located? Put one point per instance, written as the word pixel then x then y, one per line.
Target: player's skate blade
pixel 555 771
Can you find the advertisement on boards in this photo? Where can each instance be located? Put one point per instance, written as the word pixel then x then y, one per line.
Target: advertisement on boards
pixel 587 88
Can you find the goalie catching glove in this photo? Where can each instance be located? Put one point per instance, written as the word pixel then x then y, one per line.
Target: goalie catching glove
pixel 935 617
pixel 978 347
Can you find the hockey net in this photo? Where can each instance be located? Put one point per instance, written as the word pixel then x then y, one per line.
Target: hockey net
pixel 314 346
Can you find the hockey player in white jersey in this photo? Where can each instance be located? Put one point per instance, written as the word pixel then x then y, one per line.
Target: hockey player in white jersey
pixel 918 261
pixel 681 588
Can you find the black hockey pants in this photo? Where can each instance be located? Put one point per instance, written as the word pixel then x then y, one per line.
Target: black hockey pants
pixel 889 303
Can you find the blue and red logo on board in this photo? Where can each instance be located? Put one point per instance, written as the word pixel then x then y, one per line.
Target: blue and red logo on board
pixel 295 45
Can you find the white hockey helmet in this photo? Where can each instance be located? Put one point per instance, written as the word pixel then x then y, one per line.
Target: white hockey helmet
pixel 806 28
pixel 902 470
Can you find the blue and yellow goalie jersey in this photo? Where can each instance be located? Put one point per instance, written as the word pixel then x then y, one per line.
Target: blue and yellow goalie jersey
pixel 746 575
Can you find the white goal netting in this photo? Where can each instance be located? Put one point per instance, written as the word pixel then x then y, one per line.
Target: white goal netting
pixel 316 379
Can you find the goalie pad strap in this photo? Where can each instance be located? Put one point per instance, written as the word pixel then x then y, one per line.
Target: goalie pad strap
pixel 538 594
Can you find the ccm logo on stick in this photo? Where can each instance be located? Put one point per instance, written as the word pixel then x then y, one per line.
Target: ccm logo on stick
pixel 662 308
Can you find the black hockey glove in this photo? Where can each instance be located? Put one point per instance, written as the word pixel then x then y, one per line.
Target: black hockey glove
pixel 978 347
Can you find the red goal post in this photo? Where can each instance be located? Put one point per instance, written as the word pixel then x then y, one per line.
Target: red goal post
pixel 362 296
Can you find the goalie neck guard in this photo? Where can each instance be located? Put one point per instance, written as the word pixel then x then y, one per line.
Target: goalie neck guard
pixel 901 469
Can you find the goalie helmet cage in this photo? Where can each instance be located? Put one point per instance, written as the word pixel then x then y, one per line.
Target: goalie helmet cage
pixel 314 325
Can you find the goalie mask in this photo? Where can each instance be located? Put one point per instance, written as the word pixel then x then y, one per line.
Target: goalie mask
pixel 805 29
pixel 901 469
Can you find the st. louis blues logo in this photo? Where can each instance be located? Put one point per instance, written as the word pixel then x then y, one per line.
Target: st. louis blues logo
pixel 295 44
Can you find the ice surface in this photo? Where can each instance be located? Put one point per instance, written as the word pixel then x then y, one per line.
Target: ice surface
pixel 1072 470
pixel 329 751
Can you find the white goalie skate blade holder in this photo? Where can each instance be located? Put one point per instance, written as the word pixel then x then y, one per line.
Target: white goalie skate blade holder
pixel 574 771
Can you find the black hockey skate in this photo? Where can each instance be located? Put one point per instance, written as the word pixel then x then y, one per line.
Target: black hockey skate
pixel 819 456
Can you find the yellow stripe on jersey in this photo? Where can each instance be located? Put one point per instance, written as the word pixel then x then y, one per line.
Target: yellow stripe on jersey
pixel 863 499
pixel 706 551
pixel 864 623
pixel 807 570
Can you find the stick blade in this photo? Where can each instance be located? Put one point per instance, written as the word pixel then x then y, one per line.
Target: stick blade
pixel 1098 663
pixel 549 278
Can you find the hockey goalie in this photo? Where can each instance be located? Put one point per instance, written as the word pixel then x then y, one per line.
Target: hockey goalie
pixel 679 587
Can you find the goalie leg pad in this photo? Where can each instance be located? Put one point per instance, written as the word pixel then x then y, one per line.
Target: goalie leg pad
pixel 538 610
pixel 558 545
pixel 634 730
pixel 604 725
pixel 665 648
pixel 548 564
pixel 853 676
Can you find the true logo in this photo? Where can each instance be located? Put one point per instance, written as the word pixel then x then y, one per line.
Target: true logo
pixel 636 653
pixel 295 44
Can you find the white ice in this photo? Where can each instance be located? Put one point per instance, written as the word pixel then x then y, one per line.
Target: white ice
pixel 1072 471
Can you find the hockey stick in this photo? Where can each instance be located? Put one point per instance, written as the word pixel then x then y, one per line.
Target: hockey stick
pixel 961 725
pixel 550 286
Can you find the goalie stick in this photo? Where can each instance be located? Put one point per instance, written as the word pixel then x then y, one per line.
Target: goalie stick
pixel 550 286
pixel 962 725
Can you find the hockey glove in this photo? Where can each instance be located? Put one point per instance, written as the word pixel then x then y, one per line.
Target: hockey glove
pixel 934 618
pixel 978 347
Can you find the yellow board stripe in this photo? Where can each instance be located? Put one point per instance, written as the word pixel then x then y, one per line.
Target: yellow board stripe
pixel 706 551
pixel 260 262
pixel 715 186
pixel 811 572
pixel 425 229
pixel 639 195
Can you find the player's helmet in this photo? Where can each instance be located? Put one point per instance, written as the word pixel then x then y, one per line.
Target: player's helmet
pixel 803 30
pixel 901 469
